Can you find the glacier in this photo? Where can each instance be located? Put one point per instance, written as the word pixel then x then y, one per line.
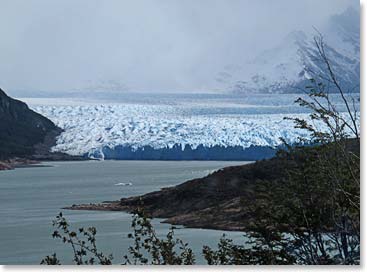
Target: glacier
pixel 175 128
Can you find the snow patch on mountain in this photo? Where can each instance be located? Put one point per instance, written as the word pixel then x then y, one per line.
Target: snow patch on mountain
pixel 284 67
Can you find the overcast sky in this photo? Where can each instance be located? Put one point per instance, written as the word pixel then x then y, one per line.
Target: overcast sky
pixel 146 45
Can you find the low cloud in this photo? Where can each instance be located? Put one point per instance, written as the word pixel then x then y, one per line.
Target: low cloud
pixel 143 45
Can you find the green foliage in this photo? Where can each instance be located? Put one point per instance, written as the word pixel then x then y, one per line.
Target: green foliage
pixel 257 251
pixel 148 248
pixel 84 248
pixel 51 260
pixel 314 213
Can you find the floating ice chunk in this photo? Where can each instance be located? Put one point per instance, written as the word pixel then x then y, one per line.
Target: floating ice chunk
pixel 123 184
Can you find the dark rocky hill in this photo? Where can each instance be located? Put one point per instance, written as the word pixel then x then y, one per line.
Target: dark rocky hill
pixel 23 132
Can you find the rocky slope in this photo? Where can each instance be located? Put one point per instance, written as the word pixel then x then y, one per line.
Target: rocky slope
pixel 24 133
pixel 217 201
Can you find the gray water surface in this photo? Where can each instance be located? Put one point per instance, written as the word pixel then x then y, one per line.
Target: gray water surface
pixel 30 198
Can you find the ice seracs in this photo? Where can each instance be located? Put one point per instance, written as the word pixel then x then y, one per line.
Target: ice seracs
pixel 205 128
pixel 95 130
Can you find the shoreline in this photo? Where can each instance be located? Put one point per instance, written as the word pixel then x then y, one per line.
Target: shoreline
pixel 12 164
pixel 114 206
pixel 36 161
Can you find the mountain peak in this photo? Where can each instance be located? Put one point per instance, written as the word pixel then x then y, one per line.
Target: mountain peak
pixel 348 21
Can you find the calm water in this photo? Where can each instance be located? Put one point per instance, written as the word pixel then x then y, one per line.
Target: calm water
pixel 30 198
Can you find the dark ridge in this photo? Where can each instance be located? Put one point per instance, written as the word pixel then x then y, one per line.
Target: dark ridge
pixel 25 134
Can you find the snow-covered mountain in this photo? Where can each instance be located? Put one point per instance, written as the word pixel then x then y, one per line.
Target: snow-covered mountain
pixel 284 67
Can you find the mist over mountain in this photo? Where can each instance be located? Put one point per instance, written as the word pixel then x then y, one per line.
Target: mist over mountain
pixel 71 48
pixel 284 68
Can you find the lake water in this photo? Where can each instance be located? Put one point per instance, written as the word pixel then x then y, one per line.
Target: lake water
pixel 30 198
